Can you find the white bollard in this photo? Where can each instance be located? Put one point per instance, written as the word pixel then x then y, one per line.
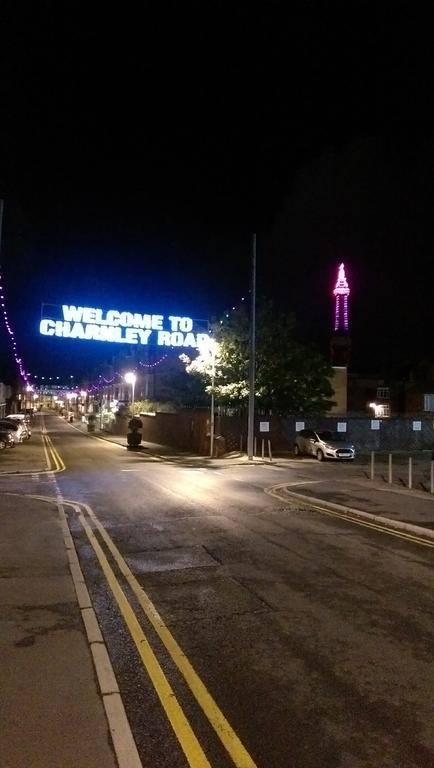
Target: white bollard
pixel 263 449
pixel 410 473
pixel 269 450
pixel 432 477
pixel 372 464
pixel 390 469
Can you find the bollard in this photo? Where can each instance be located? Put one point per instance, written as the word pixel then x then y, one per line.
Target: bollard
pixel 254 449
pixel 241 442
pixel 432 477
pixel 269 450
pixel 372 464
pixel 410 473
pixel 390 469
pixel 263 449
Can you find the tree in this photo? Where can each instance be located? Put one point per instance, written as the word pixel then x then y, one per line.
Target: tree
pixel 290 377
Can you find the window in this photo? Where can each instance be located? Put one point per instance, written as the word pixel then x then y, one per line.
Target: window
pixel 383 393
pixel 428 402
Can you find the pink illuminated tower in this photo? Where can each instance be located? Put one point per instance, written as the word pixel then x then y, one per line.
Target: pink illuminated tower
pixel 340 342
pixel 341 293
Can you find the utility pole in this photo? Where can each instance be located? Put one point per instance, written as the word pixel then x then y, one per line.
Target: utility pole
pixel 251 415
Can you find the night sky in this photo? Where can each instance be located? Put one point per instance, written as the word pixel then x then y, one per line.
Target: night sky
pixel 140 150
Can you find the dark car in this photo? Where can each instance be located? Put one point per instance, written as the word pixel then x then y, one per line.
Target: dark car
pixel 323 445
pixel 6 439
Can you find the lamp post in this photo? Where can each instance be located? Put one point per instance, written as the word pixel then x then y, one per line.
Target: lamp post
pixel 130 378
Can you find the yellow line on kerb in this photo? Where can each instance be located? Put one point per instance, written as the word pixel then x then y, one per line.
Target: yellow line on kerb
pixel 215 716
pixel 186 737
pixel 349 518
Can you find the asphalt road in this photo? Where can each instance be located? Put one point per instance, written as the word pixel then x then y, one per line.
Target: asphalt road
pixel 270 635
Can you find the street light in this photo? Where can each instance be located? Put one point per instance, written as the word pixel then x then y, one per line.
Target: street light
pixel 130 378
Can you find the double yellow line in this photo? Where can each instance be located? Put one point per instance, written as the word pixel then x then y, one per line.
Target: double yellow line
pixel 188 741
pixel 54 460
pixel 314 504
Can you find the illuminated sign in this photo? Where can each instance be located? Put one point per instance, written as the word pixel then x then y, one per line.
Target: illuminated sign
pixel 122 327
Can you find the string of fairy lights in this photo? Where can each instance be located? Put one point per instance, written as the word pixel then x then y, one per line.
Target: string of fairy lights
pixel 101 379
pixel 18 360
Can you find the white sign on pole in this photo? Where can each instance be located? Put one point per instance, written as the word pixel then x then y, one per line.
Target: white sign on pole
pixel 299 425
pixel 375 424
pixel 342 426
pixel 417 426
pixel 264 426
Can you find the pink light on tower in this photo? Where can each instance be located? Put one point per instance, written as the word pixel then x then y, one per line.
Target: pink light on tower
pixel 341 292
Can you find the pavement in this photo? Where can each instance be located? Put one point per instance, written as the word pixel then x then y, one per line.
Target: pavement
pixel 60 705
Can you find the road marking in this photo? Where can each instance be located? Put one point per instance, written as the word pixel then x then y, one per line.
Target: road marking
pixel 119 727
pixel 304 482
pixel 375 525
pixel 57 460
pixel 184 732
pixel 215 716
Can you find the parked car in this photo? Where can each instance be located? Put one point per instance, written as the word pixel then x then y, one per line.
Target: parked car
pixel 323 445
pixel 6 439
pixel 17 429
pixel 24 420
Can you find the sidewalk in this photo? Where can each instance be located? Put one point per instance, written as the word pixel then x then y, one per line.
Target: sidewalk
pixel 52 711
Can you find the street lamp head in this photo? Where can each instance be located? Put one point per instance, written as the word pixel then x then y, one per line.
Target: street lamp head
pixel 208 346
pixel 130 377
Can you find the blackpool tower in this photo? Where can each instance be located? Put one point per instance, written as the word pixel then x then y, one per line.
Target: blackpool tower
pixel 341 343
pixel 341 293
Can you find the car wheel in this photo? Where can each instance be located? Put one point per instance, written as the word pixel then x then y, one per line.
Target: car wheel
pixel 319 454
pixel 296 450
pixel 2 445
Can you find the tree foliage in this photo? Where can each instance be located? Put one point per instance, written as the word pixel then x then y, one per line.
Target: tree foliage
pixel 290 377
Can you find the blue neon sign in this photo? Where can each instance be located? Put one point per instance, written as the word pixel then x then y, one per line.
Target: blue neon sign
pixel 91 324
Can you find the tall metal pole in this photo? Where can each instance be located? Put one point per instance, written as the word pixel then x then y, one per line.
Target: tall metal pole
pixel 251 415
pixel 211 426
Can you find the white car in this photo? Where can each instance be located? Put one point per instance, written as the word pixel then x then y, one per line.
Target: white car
pixel 15 428
pixel 323 445
pixel 23 421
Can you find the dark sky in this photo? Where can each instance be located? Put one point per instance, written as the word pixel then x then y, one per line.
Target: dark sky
pixel 140 149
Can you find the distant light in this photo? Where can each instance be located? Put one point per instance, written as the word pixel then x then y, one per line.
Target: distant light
pixel 130 377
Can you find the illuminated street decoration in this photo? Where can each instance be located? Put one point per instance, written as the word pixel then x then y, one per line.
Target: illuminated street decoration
pixel 93 324
pixel 20 365
pixel 341 292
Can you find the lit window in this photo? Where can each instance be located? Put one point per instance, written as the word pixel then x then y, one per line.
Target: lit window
pixel 383 393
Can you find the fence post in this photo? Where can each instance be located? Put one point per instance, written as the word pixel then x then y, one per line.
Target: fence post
pixel 432 476
pixel 410 472
pixel 390 469
pixel 372 464
pixel 263 449
pixel 269 450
